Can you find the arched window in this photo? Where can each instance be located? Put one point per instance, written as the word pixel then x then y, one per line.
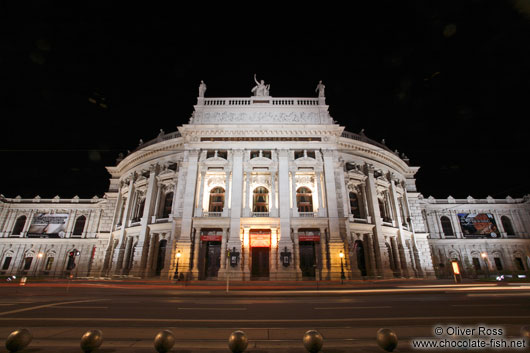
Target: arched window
pixel 168 203
pixel 19 225
pixel 507 225
pixel 304 200
pixel 139 211
pixel 382 210
pixel 217 200
pixel 79 225
pixel 447 227
pixel 354 205
pixel 261 200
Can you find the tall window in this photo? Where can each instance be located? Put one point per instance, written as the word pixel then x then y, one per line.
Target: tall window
pixel 217 199
pixel 354 205
pixel 168 203
pixel 507 225
pixel 382 210
pixel 139 211
pixel 19 225
pixel 304 200
pixel 447 226
pixel 261 199
pixel 49 263
pixel 27 263
pixel 79 225
pixel 7 262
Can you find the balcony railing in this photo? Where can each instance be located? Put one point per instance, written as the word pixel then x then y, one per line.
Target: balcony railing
pixel 212 214
pixel 260 214
pixel 307 214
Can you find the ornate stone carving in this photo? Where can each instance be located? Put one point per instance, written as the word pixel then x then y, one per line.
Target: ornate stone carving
pixel 259 117
pixel 216 180
pixel 260 179
pixel 305 180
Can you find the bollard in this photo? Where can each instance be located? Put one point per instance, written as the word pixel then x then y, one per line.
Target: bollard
pixel 237 342
pixel 164 341
pixel 525 332
pixel 91 340
pixel 313 341
pixel 387 339
pixel 18 340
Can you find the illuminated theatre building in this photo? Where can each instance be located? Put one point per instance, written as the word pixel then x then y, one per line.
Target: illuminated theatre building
pixel 263 188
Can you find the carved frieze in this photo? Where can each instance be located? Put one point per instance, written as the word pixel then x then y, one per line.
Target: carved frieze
pixel 256 117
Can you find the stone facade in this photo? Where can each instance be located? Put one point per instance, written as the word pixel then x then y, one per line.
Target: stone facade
pixel 256 188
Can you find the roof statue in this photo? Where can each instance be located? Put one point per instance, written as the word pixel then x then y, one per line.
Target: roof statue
pixel 320 88
pixel 202 89
pixel 261 89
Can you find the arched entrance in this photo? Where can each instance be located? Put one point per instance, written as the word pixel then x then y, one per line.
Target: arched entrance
pixel 260 245
pixel 161 256
pixel 309 241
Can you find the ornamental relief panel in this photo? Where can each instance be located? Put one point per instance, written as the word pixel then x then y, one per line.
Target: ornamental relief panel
pixel 260 180
pixel 258 117
pixel 305 180
pixel 355 187
pixel 216 180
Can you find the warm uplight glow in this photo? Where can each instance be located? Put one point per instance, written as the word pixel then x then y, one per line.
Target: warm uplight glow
pixel 40 254
pixel 341 254
pixel 456 269
pixel 178 254
pixel 484 255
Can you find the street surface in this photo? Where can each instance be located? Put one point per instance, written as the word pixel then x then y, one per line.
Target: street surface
pixel 203 316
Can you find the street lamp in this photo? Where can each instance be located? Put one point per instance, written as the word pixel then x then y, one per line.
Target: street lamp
pixel 176 276
pixel 342 276
pixel 39 256
pixel 484 256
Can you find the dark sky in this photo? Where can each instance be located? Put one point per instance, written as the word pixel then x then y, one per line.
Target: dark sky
pixel 446 82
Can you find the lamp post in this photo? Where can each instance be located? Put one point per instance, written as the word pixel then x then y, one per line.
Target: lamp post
pixel 342 276
pixel 484 256
pixel 176 276
pixel 39 256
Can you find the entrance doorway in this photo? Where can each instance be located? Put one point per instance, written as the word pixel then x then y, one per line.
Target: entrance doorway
pixel 308 258
pixel 212 258
pixel 260 242
pixel 260 262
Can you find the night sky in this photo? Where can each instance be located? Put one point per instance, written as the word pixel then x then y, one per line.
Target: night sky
pixel 446 82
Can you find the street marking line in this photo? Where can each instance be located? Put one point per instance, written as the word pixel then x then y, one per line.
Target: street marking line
pixel 351 307
pixel 498 295
pixel 49 305
pixel 362 319
pixel 81 307
pixel 212 308
pixel 488 305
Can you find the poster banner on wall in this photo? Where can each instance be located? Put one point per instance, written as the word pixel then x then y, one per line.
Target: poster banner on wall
pixel 48 225
pixel 478 225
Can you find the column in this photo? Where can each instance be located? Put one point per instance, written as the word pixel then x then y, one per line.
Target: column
pixel 179 189
pixel 119 251
pixel 157 203
pixel 198 211
pixel 227 194
pixel 247 195
pixel 343 192
pixel 456 224
pixel 142 248
pixel 151 255
pixel 236 200
pixel 284 240
pixel 336 245
pixel 323 248
pixel 127 255
pixel 379 243
pixel 188 203
pixel 274 253
pixel 245 253
pixel 400 247
pixel 274 212
pixel 293 193
pixel 223 249
pixel 500 226
pixel 196 248
pixel 318 193
pixel 365 203
pixel 296 254
pixel 27 225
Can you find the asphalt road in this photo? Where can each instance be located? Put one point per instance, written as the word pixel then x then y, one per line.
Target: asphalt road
pixel 138 312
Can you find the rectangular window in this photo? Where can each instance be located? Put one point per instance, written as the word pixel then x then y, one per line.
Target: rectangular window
pixel 27 263
pixel 210 154
pixel 222 154
pixel 254 154
pixel 498 263
pixel 6 264
pixel 311 154
pixel 49 263
pixel 267 154
pixel 298 154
